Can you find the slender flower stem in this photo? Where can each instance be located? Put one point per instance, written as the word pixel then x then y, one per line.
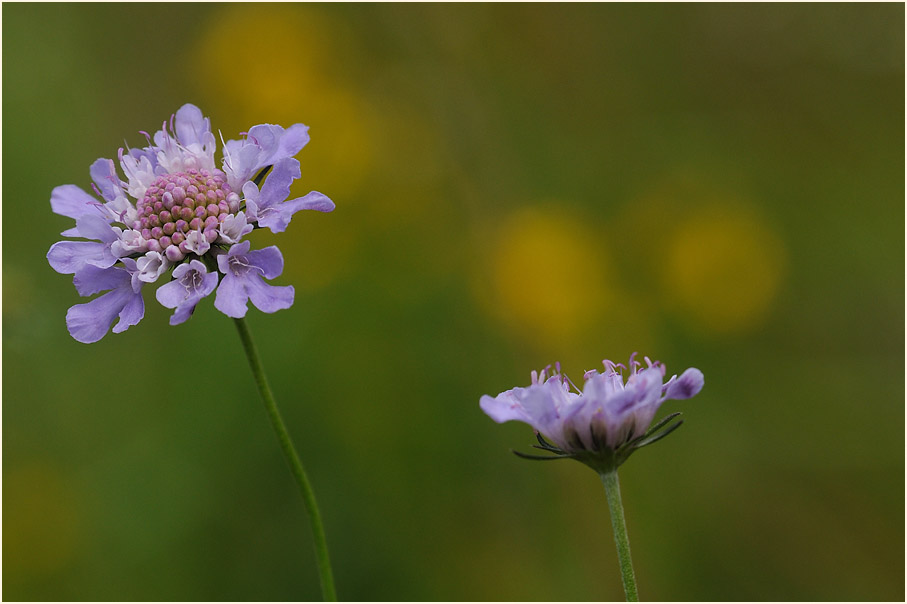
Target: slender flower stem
pixel 321 547
pixel 612 490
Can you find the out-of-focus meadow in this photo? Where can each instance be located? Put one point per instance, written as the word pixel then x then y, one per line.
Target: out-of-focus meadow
pixel 715 186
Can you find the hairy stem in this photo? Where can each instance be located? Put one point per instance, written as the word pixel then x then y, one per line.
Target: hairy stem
pixel 612 490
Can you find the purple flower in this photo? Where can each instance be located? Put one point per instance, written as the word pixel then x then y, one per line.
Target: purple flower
pixel 243 281
pixel 176 210
pixel 606 421
pixel 191 282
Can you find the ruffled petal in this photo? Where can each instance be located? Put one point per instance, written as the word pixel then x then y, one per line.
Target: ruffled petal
pixel 265 145
pixel 89 322
pixel 186 290
pixel 103 173
pixel 71 201
pixel 231 298
pixel 68 257
pixel 191 126
pixel 133 312
pixel 686 386
pixel 269 298
pixel 92 279
pixel 504 407
pixel 92 226
pixel 171 294
pixel 269 260
pixel 278 217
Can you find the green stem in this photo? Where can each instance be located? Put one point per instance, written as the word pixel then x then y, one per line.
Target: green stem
pixel 612 490
pixel 289 451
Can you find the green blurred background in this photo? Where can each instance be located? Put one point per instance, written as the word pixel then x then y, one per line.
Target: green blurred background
pixel 715 186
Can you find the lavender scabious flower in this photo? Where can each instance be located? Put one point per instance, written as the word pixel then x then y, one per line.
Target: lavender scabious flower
pixel 177 211
pixel 606 421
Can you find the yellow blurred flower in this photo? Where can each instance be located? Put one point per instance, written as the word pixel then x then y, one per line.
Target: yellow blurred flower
pixel 723 267
pixel 546 275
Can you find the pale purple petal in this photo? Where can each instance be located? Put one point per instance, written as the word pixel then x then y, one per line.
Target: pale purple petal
pixel 89 322
pixel 233 228
pixel 133 312
pixel 197 243
pixel 277 142
pixel 276 187
pixel 686 386
pixel 171 294
pixel 231 298
pixel 92 279
pixel 547 407
pixel 129 242
pixel 269 207
pixel 269 298
pixel 268 260
pixel 151 266
pixel 191 125
pixel 67 257
pixel 191 283
pixel 92 226
pixel 265 145
pixel 505 407
pixel 243 271
pixel 277 218
pixel 71 201
pixel 103 173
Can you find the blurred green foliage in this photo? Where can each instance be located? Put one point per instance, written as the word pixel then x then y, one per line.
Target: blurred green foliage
pixel 712 185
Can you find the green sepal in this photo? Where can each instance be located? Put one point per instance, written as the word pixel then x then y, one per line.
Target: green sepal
pixel 653 429
pixel 261 175
pixel 545 444
pixel 657 437
pixel 540 457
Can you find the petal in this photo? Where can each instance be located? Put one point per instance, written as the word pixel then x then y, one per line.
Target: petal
pixel 89 322
pixel 686 386
pixel 191 126
pixel 269 298
pixel 277 143
pixel 277 185
pixel 171 294
pixel 67 257
pixel 265 145
pixel 223 260
pixel 504 407
pixel 268 259
pixel 103 173
pixel 278 217
pixel 231 298
pixel 71 201
pixel 92 279
pixel 92 226
pixel 132 313
pixel 542 410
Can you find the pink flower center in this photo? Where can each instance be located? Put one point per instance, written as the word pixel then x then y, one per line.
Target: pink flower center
pixel 195 200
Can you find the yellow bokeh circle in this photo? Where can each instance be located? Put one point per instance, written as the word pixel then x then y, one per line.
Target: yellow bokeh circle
pixel 723 268
pixel 547 274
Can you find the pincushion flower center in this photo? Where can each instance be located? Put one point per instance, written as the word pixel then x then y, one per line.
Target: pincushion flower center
pixel 194 200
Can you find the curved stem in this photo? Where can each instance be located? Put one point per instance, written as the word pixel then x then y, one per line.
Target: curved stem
pixel 612 490
pixel 289 451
